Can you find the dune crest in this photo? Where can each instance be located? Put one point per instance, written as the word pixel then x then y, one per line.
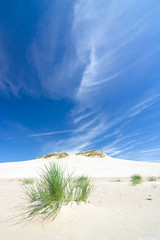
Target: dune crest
pixel 92 153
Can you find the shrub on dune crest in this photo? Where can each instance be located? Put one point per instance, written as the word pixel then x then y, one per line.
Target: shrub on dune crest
pixel 55 189
pixel 55 154
pixel 92 153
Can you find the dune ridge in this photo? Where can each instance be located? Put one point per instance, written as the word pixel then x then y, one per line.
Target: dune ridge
pixel 106 167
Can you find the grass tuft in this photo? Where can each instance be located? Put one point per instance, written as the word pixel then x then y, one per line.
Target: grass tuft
pixel 83 187
pixel 55 189
pixel 116 180
pixel 152 179
pixel 136 179
pixel 26 181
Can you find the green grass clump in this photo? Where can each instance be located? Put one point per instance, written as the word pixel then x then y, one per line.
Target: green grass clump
pixel 116 180
pixel 152 179
pixel 83 187
pixel 136 179
pixel 26 181
pixel 55 189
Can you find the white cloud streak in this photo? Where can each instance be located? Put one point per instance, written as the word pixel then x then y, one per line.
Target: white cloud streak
pixel 151 150
pixel 103 38
pixel 50 133
pixel 5 84
pixel 140 107
pixel 10 83
pixel 82 117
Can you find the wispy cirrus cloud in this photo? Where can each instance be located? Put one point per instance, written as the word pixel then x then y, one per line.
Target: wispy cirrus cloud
pixel 98 129
pixel 151 150
pixel 5 84
pixel 106 35
pixel 11 82
pixel 82 117
pixel 87 134
pixel 147 155
pixel 121 144
pixel 83 127
pixel 91 50
pixel 78 141
pixel 144 104
pixel 53 53
pixel 50 133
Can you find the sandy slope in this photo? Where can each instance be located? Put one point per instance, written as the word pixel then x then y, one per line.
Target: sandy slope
pixel 94 167
pixel 117 211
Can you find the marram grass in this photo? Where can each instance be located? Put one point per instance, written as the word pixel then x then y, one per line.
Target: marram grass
pixel 83 187
pixel 152 179
pixel 27 181
pixel 136 179
pixel 54 189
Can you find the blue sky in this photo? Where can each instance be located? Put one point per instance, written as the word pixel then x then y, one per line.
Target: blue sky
pixel 78 75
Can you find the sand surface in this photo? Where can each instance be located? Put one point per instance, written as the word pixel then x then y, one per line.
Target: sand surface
pixel 94 167
pixel 117 210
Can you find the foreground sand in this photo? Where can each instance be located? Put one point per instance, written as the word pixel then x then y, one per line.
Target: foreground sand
pixel 117 210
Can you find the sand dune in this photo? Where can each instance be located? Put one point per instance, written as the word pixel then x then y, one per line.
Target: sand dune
pixel 94 167
pixel 117 210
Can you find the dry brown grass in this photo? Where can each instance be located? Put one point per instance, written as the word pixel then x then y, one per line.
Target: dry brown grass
pixel 55 154
pixel 92 153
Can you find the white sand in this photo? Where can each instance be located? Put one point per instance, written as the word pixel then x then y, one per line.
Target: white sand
pixel 117 211
pixel 94 167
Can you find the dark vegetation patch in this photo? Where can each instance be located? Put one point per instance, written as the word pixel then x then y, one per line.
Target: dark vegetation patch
pixel 55 154
pixel 92 153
